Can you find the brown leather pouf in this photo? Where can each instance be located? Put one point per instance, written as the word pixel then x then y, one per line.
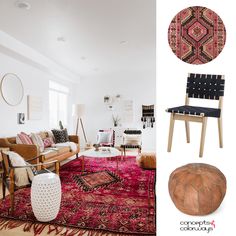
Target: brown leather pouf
pixel 146 160
pixel 197 189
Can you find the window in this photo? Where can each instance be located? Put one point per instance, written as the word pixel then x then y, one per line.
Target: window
pixel 58 104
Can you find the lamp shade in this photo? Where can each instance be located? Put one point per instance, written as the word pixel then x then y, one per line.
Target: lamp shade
pixel 78 110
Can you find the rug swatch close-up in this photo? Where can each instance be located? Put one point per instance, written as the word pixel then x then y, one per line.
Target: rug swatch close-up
pixel 197 35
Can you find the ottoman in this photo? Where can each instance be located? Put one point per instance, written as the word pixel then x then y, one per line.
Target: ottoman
pixel 146 160
pixel 197 188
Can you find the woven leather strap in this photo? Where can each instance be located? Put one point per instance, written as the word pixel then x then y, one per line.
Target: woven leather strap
pixel 205 86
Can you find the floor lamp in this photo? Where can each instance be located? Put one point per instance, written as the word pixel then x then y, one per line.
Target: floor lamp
pixel 78 112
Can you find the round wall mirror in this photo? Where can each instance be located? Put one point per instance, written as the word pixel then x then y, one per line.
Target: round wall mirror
pixel 12 89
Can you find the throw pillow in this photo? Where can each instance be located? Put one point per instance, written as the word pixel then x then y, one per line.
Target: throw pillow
pixel 61 136
pixel 132 139
pixel 48 142
pixel 105 137
pixel 37 140
pixel 50 135
pixel 25 138
pixel 66 135
pixel 21 174
pixel 18 140
pixel 43 134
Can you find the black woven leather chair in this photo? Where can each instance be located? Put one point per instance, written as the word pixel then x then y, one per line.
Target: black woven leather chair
pixel 202 86
pixel 131 140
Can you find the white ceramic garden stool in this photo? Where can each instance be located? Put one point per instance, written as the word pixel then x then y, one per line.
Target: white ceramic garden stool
pixel 46 196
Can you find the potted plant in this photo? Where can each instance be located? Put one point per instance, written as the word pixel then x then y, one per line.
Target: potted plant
pixel 116 120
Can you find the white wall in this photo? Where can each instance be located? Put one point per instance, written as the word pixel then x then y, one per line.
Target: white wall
pixel 35 82
pixel 139 87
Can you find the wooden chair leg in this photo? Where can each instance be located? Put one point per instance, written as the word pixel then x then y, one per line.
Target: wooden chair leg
pixel 187 131
pixel 82 164
pixel 220 129
pixel 42 160
pixel 57 167
pixel 203 134
pixel 171 130
pixel 3 190
pixel 139 150
pixel 12 201
pixel 11 190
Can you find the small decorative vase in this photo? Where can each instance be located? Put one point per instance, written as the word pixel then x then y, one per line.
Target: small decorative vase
pixel 96 147
pixel 46 196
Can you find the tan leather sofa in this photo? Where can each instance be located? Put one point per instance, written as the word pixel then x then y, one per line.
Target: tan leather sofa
pixel 30 151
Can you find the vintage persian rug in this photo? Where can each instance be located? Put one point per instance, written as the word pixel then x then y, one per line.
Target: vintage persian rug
pixel 96 179
pixel 122 207
pixel 197 35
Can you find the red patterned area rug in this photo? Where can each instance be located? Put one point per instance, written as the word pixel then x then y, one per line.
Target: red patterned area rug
pixel 124 205
pixel 197 35
pixel 96 179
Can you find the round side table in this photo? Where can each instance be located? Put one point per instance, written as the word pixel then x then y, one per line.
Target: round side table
pixel 46 196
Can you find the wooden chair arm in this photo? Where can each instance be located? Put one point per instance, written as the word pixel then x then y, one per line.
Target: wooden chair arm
pixel 33 165
pixel 34 158
pixel 12 177
pixel 74 138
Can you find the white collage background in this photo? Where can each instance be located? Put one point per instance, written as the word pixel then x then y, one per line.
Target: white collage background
pixel 171 87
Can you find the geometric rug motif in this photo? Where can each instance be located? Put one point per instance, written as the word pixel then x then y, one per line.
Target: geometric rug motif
pixel 125 207
pixel 94 180
pixel 197 35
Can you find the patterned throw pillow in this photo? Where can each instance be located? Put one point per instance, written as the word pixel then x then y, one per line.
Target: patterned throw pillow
pixel 48 142
pixel 61 136
pixel 24 138
pixel 37 140
pixel 18 140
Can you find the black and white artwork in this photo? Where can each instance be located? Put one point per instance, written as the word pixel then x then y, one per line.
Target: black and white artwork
pixel 21 118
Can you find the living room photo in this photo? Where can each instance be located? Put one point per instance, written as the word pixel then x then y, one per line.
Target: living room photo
pixel 78 117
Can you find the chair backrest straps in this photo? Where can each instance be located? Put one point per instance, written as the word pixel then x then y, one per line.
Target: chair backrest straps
pixel 205 86
pixel 133 131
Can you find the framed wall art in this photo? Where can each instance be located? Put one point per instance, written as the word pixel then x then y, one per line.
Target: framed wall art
pixel 35 107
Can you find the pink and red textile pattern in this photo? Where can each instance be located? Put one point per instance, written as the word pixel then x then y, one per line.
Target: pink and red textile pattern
pixel 124 207
pixel 197 35
pixel 48 142
pixel 96 179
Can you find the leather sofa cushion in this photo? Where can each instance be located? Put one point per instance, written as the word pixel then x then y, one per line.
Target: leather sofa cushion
pixel 48 153
pixel 62 150
pixel 52 152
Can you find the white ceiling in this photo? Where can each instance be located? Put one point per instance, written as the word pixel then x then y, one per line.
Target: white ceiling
pixel 93 31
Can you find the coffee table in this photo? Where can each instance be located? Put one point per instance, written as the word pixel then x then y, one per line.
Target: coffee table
pixel 102 152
